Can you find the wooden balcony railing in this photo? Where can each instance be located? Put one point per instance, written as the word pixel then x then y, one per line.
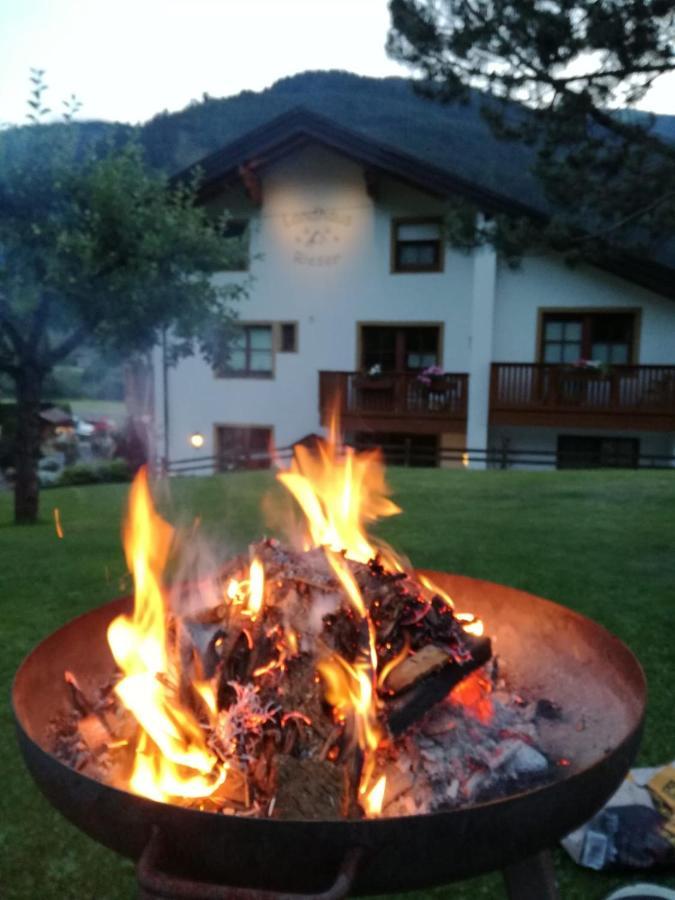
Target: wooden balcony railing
pixel 394 396
pixel 634 396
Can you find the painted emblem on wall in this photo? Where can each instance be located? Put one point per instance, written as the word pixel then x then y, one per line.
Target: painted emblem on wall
pixel 317 235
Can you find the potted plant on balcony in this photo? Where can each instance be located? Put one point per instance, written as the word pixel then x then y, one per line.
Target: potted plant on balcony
pixel 374 379
pixel 584 381
pixel 433 378
pixel 591 367
pixel 435 387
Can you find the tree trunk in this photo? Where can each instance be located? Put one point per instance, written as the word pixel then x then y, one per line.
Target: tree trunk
pixel 26 485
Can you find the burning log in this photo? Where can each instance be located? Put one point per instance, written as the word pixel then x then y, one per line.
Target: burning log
pixel 427 678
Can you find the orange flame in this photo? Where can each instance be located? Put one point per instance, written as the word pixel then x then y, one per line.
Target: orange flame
pixel 172 758
pixel 339 491
pixel 249 592
pixel 375 797
pixel 350 690
pixel 468 621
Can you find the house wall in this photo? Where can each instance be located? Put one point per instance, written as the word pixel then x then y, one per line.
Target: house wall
pixel 327 288
pixel 548 282
pixel 534 441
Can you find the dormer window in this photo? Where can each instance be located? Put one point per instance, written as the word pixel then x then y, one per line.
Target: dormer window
pixel 417 245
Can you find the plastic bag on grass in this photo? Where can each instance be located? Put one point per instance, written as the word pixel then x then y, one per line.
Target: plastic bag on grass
pixel 635 829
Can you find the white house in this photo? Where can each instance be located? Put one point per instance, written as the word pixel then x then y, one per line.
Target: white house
pixel 354 294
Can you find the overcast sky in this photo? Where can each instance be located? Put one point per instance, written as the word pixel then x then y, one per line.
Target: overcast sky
pixel 129 59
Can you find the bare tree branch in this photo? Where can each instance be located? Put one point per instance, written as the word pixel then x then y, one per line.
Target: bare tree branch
pixel 69 344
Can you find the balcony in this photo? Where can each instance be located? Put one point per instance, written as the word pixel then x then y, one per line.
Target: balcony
pixel 395 401
pixel 624 397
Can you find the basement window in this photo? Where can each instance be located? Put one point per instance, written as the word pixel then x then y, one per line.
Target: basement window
pixel 586 452
pixel 416 245
pixel 243 447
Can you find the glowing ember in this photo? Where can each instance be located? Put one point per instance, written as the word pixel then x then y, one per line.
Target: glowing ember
pixel 473 694
pixel 57 522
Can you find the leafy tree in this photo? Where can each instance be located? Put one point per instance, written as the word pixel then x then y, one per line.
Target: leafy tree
pixel 561 76
pixel 96 248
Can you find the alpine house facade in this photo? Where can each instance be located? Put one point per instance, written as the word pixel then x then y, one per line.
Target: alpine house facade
pixel 440 355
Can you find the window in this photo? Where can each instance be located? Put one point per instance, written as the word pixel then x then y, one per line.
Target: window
pixel 584 452
pixel 246 447
pixel 562 340
pixel 400 348
pixel 288 338
pixel 250 353
pixel 607 337
pixel 236 233
pixel 416 246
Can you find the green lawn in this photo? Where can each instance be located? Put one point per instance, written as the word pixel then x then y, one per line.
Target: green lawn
pixel 601 542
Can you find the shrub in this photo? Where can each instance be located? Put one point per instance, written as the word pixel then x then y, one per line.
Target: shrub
pixel 114 471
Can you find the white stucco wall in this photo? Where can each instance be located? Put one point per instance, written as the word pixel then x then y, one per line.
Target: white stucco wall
pixel 547 282
pixel 327 290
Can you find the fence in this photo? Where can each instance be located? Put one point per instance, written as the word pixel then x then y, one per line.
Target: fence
pixel 408 455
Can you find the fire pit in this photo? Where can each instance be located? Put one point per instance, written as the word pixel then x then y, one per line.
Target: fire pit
pixel 383 660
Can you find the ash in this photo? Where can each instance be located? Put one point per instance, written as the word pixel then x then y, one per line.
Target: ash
pixel 483 745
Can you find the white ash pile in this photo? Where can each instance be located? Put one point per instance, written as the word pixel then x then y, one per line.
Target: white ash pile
pixel 481 743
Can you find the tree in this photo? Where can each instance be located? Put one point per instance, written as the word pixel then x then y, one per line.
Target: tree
pixel 562 76
pixel 96 248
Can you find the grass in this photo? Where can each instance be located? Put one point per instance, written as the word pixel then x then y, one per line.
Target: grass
pixel 600 542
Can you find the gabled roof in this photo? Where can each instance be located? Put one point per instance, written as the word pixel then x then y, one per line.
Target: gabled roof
pixel 299 127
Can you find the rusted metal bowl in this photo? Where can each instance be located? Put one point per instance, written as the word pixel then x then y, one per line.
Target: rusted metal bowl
pixel 548 651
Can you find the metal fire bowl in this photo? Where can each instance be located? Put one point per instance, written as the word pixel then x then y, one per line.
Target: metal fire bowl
pixel 548 652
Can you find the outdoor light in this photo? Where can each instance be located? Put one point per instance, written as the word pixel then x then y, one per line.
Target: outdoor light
pixel 197 440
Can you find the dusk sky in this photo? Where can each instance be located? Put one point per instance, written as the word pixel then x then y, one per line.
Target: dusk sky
pixel 130 59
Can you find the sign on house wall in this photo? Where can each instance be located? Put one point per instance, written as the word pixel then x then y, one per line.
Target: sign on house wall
pixel 317 235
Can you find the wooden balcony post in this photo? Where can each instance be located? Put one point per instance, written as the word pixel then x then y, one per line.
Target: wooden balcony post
pixel 494 382
pixel 614 388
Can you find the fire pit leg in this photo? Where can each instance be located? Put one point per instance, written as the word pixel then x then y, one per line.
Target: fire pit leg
pixel 532 879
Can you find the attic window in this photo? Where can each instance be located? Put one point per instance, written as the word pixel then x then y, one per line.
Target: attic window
pixel 236 233
pixel 416 245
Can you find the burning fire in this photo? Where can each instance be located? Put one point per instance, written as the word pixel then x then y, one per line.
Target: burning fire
pixel 172 759
pixel 179 720
pixel 339 492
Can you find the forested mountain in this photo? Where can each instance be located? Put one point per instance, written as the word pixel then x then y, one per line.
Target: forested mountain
pixel 454 137
pixel 388 110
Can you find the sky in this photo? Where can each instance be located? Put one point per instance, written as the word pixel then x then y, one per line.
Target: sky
pixel 127 60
